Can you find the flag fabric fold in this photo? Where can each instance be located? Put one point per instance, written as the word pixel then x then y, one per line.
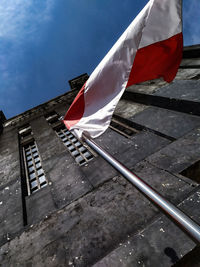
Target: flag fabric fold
pixel 150 48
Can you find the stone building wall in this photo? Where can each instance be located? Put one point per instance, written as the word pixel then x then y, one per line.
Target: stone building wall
pixel 88 214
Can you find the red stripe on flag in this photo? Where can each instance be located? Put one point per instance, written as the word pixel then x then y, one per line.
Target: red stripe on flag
pixel 161 59
pixel 76 110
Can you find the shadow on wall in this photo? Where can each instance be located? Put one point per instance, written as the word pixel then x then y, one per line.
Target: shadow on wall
pixel 171 253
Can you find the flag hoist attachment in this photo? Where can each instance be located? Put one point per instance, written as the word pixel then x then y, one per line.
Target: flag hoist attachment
pixel 191 228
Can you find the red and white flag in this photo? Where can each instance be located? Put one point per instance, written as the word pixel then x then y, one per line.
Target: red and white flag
pixel 150 48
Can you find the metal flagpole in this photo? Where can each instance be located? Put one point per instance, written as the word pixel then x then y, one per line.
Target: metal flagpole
pixel 182 220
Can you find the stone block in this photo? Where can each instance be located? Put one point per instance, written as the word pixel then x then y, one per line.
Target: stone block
pixel 113 142
pixel 49 144
pixel 9 157
pixel 170 123
pixel 84 231
pixel 98 171
pixel 161 243
pixel 182 89
pixel 11 220
pixel 172 187
pixel 68 181
pixel 178 155
pixel 141 146
pixel 39 205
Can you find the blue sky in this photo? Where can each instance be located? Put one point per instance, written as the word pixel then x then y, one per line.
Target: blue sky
pixel 45 43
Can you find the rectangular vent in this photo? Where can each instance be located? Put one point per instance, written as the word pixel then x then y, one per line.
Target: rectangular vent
pixel 193 172
pixel 80 152
pixel 122 128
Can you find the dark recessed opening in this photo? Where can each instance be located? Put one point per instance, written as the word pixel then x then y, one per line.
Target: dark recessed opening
pixel 53 120
pixel 24 126
pixel 122 128
pixel 50 114
pixel 24 134
pixel 193 172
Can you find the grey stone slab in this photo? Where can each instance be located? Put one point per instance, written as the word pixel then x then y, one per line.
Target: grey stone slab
pixel 127 109
pixel 11 220
pixel 191 61
pixel 39 205
pixel 135 148
pixel 86 230
pixel 83 232
pixel 68 182
pixel 178 155
pixel 148 87
pixel 49 164
pixel 47 141
pixel 9 157
pixel 191 205
pixel 182 89
pixel 98 171
pixel 171 123
pixel 187 74
pixel 141 146
pixel 113 142
pixel 161 243
pixel 190 259
pixel 172 187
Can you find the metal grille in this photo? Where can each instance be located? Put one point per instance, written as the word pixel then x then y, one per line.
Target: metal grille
pixel 34 173
pixel 81 153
